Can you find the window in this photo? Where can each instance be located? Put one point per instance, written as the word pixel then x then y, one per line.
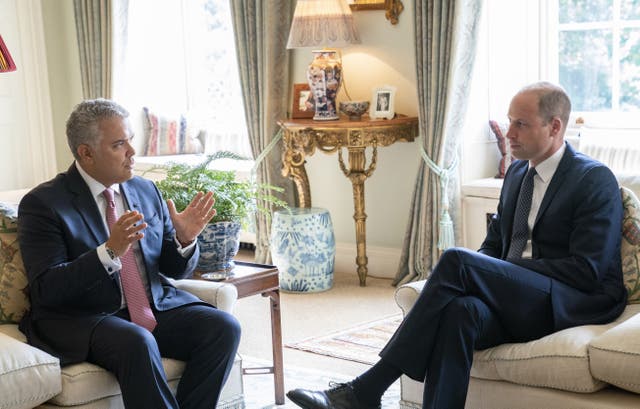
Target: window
pixel 179 58
pixel 596 53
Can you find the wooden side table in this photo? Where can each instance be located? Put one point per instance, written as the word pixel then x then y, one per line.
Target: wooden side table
pixel 252 279
pixel 303 136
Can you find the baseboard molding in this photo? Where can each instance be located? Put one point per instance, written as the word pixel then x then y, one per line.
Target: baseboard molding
pixel 382 261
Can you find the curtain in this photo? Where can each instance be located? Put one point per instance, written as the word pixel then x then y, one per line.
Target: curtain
pixel 94 30
pixel 261 31
pixel 445 40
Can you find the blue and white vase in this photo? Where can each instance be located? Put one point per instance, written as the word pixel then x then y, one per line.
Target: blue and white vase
pixel 219 243
pixel 303 248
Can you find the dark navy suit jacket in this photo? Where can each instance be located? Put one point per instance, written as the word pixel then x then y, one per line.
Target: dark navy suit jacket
pixel 575 239
pixel 60 228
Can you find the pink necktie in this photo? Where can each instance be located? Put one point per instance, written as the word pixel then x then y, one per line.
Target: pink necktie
pixel 134 293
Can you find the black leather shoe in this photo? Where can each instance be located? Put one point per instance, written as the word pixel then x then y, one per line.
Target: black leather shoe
pixel 339 396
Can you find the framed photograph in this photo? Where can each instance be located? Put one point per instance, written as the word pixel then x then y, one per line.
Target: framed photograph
pixel 382 103
pixel 303 103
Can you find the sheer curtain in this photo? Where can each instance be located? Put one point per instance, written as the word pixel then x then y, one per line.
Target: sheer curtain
pixel 445 38
pixel 261 33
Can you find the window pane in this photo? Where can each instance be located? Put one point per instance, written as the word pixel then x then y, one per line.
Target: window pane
pixel 214 80
pixel 578 11
pixel 630 9
pixel 630 70
pixel 585 68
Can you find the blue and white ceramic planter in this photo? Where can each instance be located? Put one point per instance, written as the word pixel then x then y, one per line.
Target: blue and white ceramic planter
pixel 303 248
pixel 219 243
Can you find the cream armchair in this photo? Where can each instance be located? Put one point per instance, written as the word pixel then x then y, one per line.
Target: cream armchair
pixel 587 367
pixel 31 378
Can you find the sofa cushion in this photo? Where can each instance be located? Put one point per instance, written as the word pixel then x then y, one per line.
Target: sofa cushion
pixel 630 248
pixel 167 135
pixel 28 376
pixel 85 382
pixel 500 132
pixel 615 355
pixel 559 360
pixel 13 279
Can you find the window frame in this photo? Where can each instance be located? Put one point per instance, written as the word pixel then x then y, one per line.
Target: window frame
pixel 549 66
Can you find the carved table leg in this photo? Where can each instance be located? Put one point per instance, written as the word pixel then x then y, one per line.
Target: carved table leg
pixel 358 175
pixel 293 159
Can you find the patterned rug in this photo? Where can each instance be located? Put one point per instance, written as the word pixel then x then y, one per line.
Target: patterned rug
pixel 358 344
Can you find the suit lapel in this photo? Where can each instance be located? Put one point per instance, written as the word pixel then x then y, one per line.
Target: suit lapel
pixel 556 181
pixel 512 196
pixel 86 206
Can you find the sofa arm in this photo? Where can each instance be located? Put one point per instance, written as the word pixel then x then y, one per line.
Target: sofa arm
pixel 221 295
pixel 407 294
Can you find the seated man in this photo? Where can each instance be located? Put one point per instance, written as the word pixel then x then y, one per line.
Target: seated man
pixel 97 243
pixel 551 260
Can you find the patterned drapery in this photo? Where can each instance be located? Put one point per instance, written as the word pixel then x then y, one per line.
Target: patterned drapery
pixel 445 41
pixel 94 31
pixel 261 31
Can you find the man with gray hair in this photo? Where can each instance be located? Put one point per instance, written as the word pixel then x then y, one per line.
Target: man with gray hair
pixel 550 260
pixel 98 244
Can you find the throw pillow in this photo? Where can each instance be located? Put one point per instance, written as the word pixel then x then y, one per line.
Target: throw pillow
pixel 630 249
pixel 500 132
pixel 165 135
pixel 14 300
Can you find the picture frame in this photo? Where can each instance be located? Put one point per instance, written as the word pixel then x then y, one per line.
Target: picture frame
pixel 303 103
pixel 383 102
pixel 392 8
pixel 366 4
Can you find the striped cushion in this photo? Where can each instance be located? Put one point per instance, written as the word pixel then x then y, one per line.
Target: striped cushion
pixel 166 135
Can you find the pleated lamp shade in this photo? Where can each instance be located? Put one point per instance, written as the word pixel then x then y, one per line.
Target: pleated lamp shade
pixel 326 24
pixel 6 62
pixel 322 23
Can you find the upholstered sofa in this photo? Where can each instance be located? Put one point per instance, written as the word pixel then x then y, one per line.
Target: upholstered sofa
pixel 32 378
pixel 587 367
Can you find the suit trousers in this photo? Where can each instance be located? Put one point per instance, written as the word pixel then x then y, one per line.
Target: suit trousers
pixel 470 301
pixel 204 337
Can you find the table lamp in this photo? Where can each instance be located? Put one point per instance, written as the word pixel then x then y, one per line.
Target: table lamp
pixel 324 23
pixel 6 62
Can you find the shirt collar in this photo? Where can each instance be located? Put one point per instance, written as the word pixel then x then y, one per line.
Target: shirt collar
pixel 95 187
pixel 547 167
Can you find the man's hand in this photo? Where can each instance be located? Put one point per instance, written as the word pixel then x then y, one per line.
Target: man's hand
pixel 125 231
pixel 192 220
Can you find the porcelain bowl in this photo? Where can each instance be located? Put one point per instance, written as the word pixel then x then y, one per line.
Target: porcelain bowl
pixel 354 109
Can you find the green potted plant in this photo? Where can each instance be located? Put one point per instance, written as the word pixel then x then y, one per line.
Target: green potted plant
pixel 235 202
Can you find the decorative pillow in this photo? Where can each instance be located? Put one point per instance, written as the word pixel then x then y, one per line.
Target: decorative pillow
pixel 169 136
pixel 630 249
pixel 500 132
pixel 13 279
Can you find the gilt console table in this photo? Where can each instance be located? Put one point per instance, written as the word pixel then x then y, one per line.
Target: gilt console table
pixel 303 136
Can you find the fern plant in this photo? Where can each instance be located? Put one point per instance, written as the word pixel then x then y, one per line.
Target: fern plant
pixel 234 200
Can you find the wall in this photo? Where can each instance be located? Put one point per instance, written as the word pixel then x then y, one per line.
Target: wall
pixel 26 137
pixel 385 56
pixel 64 70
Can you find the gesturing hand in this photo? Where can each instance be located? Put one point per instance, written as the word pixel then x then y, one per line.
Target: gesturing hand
pixel 192 220
pixel 125 231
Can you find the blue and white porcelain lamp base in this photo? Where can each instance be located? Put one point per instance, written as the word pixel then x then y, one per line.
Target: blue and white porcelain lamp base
pixel 303 248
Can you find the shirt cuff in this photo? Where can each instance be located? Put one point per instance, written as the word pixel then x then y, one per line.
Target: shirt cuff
pixel 111 266
pixel 187 251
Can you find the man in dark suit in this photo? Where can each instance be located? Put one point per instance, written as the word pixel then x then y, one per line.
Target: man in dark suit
pixel 98 244
pixel 551 260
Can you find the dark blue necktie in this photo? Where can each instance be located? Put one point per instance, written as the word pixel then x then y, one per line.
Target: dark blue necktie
pixel 520 232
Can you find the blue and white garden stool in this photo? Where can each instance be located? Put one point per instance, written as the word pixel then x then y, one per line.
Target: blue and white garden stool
pixel 303 248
